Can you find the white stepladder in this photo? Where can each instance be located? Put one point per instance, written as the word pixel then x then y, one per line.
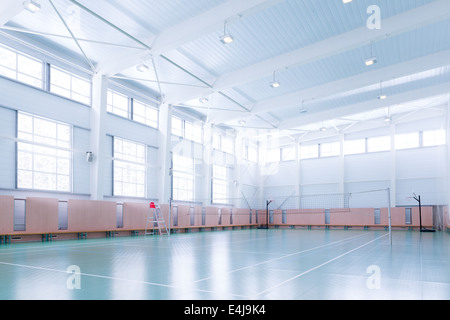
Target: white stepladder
pixel 155 221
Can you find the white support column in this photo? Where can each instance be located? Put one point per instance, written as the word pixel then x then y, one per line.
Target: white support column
pixel 238 169
pixel 447 125
pixel 207 165
pixel 164 154
pixel 98 136
pixel 297 171
pixel 393 171
pixel 341 164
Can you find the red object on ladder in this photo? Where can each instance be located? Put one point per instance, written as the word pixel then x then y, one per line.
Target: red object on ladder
pixel 155 221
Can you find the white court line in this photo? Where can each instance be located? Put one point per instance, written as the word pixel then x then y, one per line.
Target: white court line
pixel 319 266
pixel 282 257
pixel 116 279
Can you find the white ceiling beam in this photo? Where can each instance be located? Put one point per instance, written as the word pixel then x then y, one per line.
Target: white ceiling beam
pixel 191 29
pixel 442 88
pixel 10 9
pixel 410 20
pixel 366 79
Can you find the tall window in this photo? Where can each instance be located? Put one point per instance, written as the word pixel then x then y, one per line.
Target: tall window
pixel 130 160
pixel 44 154
pixel 118 104
pixel 21 67
pixel 183 178
pixel 70 86
pixel 220 184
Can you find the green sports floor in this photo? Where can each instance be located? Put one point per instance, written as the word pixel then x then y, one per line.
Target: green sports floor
pixel 279 264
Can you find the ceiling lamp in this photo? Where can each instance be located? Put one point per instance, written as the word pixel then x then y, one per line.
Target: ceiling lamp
pixel 275 83
pixel 372 60
pixel 381 96
pixel 32 6
pixel 226 38
pixel 303 109
pixel 346 1
pixel 388 118
pixel 143 67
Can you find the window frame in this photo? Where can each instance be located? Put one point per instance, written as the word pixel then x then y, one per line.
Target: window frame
pixel 183 172
pixel 42 149
pixel 71 90
pixel 18 72
pixel 219 180
pixel 133 165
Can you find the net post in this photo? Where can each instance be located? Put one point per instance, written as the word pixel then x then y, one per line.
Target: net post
pixel 389 215
pixel 170 216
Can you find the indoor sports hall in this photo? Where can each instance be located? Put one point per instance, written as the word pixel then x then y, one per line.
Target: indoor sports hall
pixel 224 150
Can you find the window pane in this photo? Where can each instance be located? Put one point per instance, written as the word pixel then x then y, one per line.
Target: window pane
pixel 377 144
pixel 60 79
pixel 216 142
pixel 145 114
pixel 220 172
pixel 81 86
pixel 69 85
pixel 434 138
pixel 220 194
pixel 193 132
pixel 227 145
pixel 118 104
pixel 252 154
pixel 8 58
pixel 288 154
pixel 354 146
pixel 177 127
pixel 330 149
pixel 29 66
pixel 309 151
pixel 21 67
pixel 407 141
pixel 29 80
pixel 129 168
pixel 273 155
pixel 43 167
